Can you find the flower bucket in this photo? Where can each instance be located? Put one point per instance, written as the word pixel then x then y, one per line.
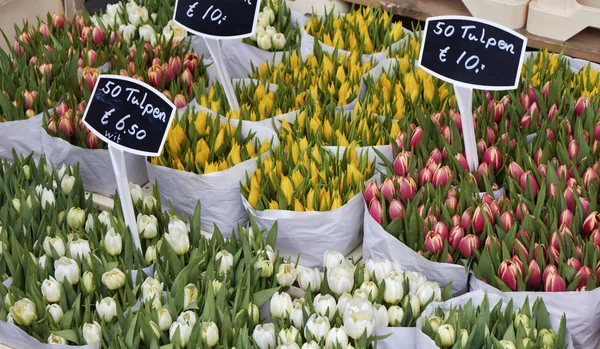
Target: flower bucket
pixel 22 135
pixel 582 309
pixel 379 243
pixel 95 165
pixel 218 192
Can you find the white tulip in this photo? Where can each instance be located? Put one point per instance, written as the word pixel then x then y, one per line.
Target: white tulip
pixel 113 279
pixel 381 316
pixel 146 32
pixel 253 313
pixel 57 243
pixel 210 333
pixel 138 15
pixel 63 171
pixel 190 294
pixel 415 305
pixel 56 340
pixel 279 41
pixel 311 345
pixel 435 322
pixel 154 17
pixel 264 41
pixel 286 275
pixel 270 14
pixel 176 225
pixel 151 255
pixel 336 338
pixel 114 10
pixel 134 189
pixel 288 346
pixel 150 288
pixel 265 266
pixel 447 335
pixel 39 190
pixel 332 259
pixel 464 338
pixel 281 305
pixel 264 336
pixel 216 286
pixel 10 319
pixel 24 312
pixel 149 203
pixel 361 293
pixel 106 309
pixel 164 319
pixel 27 172
pixel 89 223
pixel 184 332
pixel 178 240
pixel 263 20
pixel 67 184
pixel 174 31
pixel 343 302
pixel 288 335
pixel 317 326
pixel 378 268
pixel 66 269
pixel 269 253
pixel 358 322
pixel 47 198
pixel 55 311
pixel 429 292
pixel 310 279
pixel 395 315
pixel 226 259
pixel 340 278
pixel 394 290
pixel 188 317
pixel 51 290
pixel 79 249
pixel 325 306
pixel 415 280
pixel 104 218
pixel 127 32
pixel 271 30
pixel 147 226
pixel 297 316
pixel 371 289
pixel 16 205
pixel 75 218
pixel 113 244
pixel 87 282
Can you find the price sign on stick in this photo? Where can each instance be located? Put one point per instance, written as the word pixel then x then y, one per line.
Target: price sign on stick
pixel 472 53
pixel 130 116
pixel 215 20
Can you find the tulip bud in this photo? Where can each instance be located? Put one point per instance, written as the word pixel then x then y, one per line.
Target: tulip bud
pixel 396 210
pixel 388 189
pixel 478 217
pixel 401 164
pixel 496 109
pixel 455 236
pixel 407 188
pixel 554 283
pixel 447 335
pixel 585 272
pixel 156 76
pixel 565 219
pixel 573 150
pixel 574 263
pixel 434 242
pixel 535 280
pixel 97 35
pixel 24 312
pixel 425 176
pixel 452 203
pixel 416 137
pixel 582 103
pixel 371 192
pixel 508 273
pixel 590 223
pixel 106 309
pixel 442 176
pixel 528 180
pixel 468 245
pixel 375 210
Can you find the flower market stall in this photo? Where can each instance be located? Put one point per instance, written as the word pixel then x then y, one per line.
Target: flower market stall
pixel 309 185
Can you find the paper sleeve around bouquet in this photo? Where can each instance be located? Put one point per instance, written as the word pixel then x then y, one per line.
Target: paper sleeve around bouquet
pixel 407 336
pixel 311 234
pixel 218 192
pixel 424 342
pixel 95 164
pixel 379 243
pixel 12 336
pixel 24 136
pixel 582 309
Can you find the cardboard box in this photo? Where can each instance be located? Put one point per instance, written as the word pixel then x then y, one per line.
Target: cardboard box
pixel 16 11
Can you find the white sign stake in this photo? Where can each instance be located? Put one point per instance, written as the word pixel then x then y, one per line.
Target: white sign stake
pixel 214 47
pixel 117 158
pixel 464 97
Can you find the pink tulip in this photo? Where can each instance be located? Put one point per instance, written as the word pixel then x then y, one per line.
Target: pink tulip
pixel 407 188
pixel 180 101
pixel 455 236
pixel 396 210
pixel 515 171
pixel 527 180
pixel 191 61
pixel 573 150
pixel 535 280
pixel 416 137
pixel 590 223
pixel 58 20
pixel 478 217
pixel 452 203
pixel 156 76
pixel 44 30
pixel 401 164
pixel 493 157
pixel 520 247
pixel 371 192
pixel 441 177
pixel 496 109
pixel 388 189
pixel 552 112
pixel 582 103
pixel 375 210
pixel 507 220
pixel 468 245
pixel 434 243
pixel 66 126
pixel 574 263
pixel 508 272
pixel 455 116
pixel 554 283
pixel 585 272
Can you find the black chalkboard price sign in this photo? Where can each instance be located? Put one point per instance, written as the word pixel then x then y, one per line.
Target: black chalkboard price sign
pixel 218 19
pixel 129 115
pixel 472 52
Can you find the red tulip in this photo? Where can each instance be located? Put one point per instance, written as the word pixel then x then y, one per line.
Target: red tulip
pixel 90 75
pixel 180 101
pixel 375 210
pixel 434 243
pixel 187 78
pixel 565 219
pixel 66 126
pixel 508 272
pixel 441 177
pixel 481 146
pixel 44 30
pixel 535 280
pixel 455 116
pixel 388 189
pixel 493 157
pixel 526 101
pixel 407 188
pixel 491 136
pixel 396 210
pixel 455 236
pixel 542 170
pixel 58 20
pixel 167 94
pixel 483 171
pixel 416 137
pixel 546 90
pixel 452 203
pixel 440 228
pixel 466 218
pixel 589 176
pixel 91 140
pixel 522 210
pixel 561 233
pixel 550 269
pixel 515 171
pixel 468 245
pixel 478 217
pixel 573 150
pixel 568 194
pixel 175 63
pixel 155 76
pixel 552 112
pixel 582 103
pixel 371 192
pixel 446 132
pixel 590 223
pixel 519 246
pixel 462 160
pixel 585 272
pixel 528 180
pixel 595 238
pixel 97 36
pixel 496 110
pixel 507 220
pixel 401 164
pixel 574 263
pixel 191 61
pixel 554 283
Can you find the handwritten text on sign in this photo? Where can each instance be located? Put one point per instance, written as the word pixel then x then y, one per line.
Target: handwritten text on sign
pixel 218 18
pixel 129 114
pixel 472 52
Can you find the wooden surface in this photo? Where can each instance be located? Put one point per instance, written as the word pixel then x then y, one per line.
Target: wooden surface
pixel 585 45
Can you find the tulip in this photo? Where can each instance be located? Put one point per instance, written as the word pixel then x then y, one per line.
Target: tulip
pixel 442 176
pixel 554 283
pixel 394 289
pixel 447 335
pixel 332 259
pixel 164 319
pixel 286 275
pixel 468 245
pixel 210 333
pixel 310 279
pixel 582 103
pixel 535 280
pixel 425 176
pixel 585 272
pixel 66 270
pixel 54 243
pixel 156 76
pixel 179 240
pixel 297 315
pixel 55 312
pixel 317 326
pixel 478 217
pixel 226 259
pixel 340 279
pixel 113 279
pixel 388 189
pixel 371 192
pixel 24 312
pixel 325 305
pixel 180 101
pixel 113 242
pixel 187 78
pixel 66 126
pixel 573 150
pixel 434 242
pixel 106 309
pixel 574 263
pixel 496 109
pixel 264 336
pixel 281 305
pixel 51 290
pixel 265 266
pixel 528 178
pixel 493 157
pixel 184 331
pixel 508 273
pixel 375 210
pixel 590 223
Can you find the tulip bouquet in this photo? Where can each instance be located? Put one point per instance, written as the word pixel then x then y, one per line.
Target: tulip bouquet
pixel 342 308
pixel 306 179
pixel 503 325
pixel 65 120
pixel 274 30
pixel 258 101
pixel 329 78
pixel 201 143
pixel 365 30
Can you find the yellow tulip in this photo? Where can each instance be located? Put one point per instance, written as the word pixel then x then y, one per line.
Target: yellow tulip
pixel 297 178
pixel 288 189
pixel 202 152
pixel 253 197
pixel 265 146
pixel 314 174
pixel 250 149
pixel 327 129
pixel 428 89
pixel 200 123
pixel 268 165
pixel 327 65
pixel 273 205
pixel 316 154
pixel 314 125
pixel 411 86
pixel 219 140
pixel 234 156
pixel 336 202
pixel 298 207
pixel 260 92
pixel 295 152
pixel 211 167
pixel 341 74
pixel 310 200
pixel 175 139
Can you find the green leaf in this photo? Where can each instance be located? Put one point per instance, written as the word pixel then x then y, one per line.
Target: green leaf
pixel 262 297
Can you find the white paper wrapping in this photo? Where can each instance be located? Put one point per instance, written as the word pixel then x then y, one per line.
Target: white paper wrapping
pixel 218 192
pixel 311 234
pixel 424 342
pixel 22 135
pixel 401 337
pixel 13 337
pixel 582 309
pixel 379 243
pixel 95 165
